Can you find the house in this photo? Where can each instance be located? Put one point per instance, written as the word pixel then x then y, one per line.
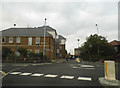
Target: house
pixel 32 39
pixel 116 44
pixel 61 41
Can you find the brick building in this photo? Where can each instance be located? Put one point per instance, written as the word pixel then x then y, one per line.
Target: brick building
pixel 76 52
pixel 33 40
pixel 116 45
pixel 61 52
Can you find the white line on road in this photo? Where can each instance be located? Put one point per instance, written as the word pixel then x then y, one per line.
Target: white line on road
pixel 84 78
pixel 11 71
pixel 87 66
pixel 15 73
pixel 36 74
pixel 52 76
pixel 25 73
pixel 67 77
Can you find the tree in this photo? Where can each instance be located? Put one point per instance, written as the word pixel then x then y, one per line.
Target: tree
pixel 6 52
pixel 23 51
pixel 95 48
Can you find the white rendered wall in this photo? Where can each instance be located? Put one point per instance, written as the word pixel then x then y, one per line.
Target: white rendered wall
pixel 52 33
pixel 63 41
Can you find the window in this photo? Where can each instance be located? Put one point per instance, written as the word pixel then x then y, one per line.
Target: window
pixel 3 39
pixel 36 51
pixel 10 39
pixel 60 47
pixel 18 40
pixel 37 41
pixel 30 41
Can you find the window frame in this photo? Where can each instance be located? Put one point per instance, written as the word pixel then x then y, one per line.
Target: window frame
pixel 37 51
pixel 30 44
pixel 2 39
pixel 37 42
pixel 10 38
pixel 17 39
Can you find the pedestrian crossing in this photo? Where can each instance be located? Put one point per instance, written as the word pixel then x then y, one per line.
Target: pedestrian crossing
pixel 51 76
pixel 67 77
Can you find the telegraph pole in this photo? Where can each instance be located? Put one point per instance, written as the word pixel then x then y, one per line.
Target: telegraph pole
pixel 44 41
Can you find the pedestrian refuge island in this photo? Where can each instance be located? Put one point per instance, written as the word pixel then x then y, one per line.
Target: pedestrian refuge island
pixel 110 74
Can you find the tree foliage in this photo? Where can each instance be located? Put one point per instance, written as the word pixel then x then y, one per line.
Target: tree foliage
pixel 23 51
pixel 6 52
pixel 95 48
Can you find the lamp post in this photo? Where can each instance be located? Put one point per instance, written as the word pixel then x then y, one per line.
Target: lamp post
pixel 78 47
pixel 97 28
pixel 44 41
pixel 97 34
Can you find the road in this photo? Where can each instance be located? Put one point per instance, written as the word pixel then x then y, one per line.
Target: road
pixel 53 74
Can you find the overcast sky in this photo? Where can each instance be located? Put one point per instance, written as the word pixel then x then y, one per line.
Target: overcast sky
pixel 73 20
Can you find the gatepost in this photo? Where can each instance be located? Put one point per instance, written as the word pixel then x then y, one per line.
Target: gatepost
pixel 110 75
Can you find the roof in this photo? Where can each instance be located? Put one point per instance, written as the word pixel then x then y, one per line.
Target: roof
pixel 115 42
pixel 61 37
pixel 48 28
pixel 25 32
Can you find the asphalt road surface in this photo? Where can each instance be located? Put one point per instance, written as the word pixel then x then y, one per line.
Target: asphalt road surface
pixel 70 73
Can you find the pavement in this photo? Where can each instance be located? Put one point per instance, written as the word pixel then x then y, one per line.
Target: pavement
pixel 57 73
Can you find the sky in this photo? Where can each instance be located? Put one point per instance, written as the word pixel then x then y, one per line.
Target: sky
pixel 73 19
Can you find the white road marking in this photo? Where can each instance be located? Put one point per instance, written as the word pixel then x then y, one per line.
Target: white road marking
pixel 67 77
pixel 25 73
pixel 84 68
pixel 11 71
pixel 76 67
pixel 87 66
pixel 84 78
pixel 52 76
pixel 36 74
pixel 36 64
pixel 19 65
pixel 15 73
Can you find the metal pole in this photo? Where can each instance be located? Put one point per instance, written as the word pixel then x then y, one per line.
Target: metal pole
pixel 97 28
pixel 78 47
pixel 16 53
pixel 44 40
pixel 98 40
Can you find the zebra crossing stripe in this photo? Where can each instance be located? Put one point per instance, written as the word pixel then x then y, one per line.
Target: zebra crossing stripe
pixel 52 76
pixel 84 78
pixel 67 77
pixel 15 73
pixel 36 74
pixel 25 73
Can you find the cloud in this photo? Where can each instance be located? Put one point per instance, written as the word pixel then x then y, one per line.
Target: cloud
pixel 71 19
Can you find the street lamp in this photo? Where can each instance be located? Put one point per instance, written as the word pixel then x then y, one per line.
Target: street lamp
pixel 78 47
pixel 97 28
pixel 97 34
pixel 44 40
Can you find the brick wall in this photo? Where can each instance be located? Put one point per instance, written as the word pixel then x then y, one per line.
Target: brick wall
pixel 50 45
